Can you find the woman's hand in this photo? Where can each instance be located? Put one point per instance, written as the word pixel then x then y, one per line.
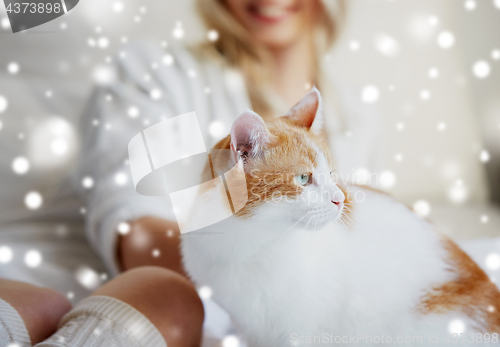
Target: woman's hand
pixel 151 241
pixel 40 308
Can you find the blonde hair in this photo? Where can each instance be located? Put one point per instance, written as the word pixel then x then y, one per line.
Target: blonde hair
pixel 240 51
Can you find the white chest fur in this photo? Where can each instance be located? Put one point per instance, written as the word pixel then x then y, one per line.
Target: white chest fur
pixel 279 282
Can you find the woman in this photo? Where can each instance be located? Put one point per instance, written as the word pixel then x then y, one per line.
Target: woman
pixel 267 55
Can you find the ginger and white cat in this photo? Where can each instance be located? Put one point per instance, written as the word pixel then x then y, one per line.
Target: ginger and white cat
pixel 309 261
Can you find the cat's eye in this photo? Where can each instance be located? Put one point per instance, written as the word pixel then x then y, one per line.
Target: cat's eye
pixel 302 179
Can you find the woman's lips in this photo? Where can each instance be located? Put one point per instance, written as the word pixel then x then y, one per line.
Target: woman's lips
pixel 269 13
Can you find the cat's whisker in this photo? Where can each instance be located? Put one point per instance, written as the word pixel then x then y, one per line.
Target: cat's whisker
pixel 308 221
pixel 343 223
pixel 346 220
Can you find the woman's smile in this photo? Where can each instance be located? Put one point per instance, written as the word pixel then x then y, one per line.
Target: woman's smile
pixel 271 12
pixel 276 23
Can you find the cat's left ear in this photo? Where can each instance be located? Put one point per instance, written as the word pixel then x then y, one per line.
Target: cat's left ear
pixel 308 112
pixel 249 136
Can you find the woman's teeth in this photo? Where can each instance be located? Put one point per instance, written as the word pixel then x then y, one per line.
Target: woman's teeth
pixel 271 11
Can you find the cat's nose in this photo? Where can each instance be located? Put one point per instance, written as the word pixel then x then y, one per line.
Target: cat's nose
pixel 338 198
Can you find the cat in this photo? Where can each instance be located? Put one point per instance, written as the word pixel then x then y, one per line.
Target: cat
pixel 311 260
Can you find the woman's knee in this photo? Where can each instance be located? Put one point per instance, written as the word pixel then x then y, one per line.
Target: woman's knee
pixel 40 308
pixel 166 298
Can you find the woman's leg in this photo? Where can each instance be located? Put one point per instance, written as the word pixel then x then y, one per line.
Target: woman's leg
pixel 41 309
pixel 166 298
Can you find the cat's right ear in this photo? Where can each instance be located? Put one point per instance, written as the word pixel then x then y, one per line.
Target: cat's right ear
pixel 308 112
pixel 249 136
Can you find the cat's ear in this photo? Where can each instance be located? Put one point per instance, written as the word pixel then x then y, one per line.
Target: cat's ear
pixel 308 112
pixel 249 135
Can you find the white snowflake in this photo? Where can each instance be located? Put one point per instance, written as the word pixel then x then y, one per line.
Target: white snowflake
pixel 178 32
pixel 87 182
pixel 3 103
pixel 470 5
pixel 425 94
pixel 205 292
pixel 121 178
pixel 370 94
pixel 387 179
pixel 484 156
pixel 441 126
pixel 493 261
pixel 354 46
pixel 6 254
pixel 433 73
pixel 20 165
pixel 230 341
pixel 33 200
pixel 213 35
pixel 133 112
pixel 117 7
pixel 87 277
pixel 456 326
pixel 481 69
pixel 386 45
pixel 123 228
pixel 216 129
pixel 155 94
pixel 495 54
pixel 422 208
pixel 33 258
pixel 13 68
pixel 458 192
pixel 103 42
pixel 446 40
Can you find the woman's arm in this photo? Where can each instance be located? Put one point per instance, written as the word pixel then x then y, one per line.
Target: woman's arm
pixel 151 241
pixel 116 113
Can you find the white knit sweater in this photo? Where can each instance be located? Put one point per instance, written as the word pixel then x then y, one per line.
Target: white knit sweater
pixel 98 321
pixel 12 328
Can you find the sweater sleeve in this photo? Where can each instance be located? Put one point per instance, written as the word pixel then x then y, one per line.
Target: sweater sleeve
pixel 148 85
pixel 100 321
pixel 12 328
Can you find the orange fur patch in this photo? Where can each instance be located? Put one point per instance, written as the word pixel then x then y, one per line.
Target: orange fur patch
pixel 271 175
pixel 471 293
